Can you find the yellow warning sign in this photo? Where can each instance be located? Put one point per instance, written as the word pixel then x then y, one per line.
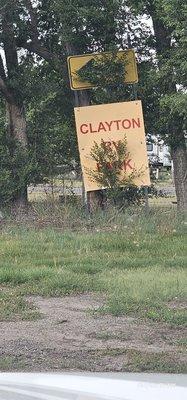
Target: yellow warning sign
pixel 110 123
pixel 77 63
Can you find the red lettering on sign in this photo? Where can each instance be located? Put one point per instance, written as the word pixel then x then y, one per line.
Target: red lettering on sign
pixel 101 127
pixel 82 128
pixel 109 124
pixel 91 130
pixel 117 121
pixel 115 144
pixel 127 164
pixel 136 123
pixel 110 144
pixel 107 144
pixel 109 165
pixel 126 123
pixel 98 167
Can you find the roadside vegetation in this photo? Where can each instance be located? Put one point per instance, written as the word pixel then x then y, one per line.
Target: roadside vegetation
pixel 130 257
pixel 137 261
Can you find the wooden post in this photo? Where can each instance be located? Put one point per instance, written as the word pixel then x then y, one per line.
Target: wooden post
pixel 146 200
pixel 82 99
pixel 93 199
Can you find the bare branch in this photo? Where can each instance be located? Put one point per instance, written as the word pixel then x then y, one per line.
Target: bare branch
pixel 33 21
pixel 42 52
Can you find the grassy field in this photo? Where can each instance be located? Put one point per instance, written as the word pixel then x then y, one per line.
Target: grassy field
pixel 137 261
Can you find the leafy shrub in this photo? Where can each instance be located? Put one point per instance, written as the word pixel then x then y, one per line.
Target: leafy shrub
pixel 110 174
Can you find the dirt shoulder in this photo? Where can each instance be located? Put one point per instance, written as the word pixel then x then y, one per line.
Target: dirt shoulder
pixel 70 335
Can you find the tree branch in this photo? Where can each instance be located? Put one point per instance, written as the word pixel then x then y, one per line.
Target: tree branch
pixel 41 51
pixel 3 87
pixel 2 70
pixel 35 45
pixel 5 91
pixel 9 43
pixel 33 21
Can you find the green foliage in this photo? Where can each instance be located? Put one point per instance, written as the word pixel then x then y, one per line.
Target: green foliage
pixel 85 25
pixel 111 173
pixel 110 161
pixel 39 80
pixel 18 166
pixel 17 169
pixel 107 74
pixel 165 84
pixel 51 129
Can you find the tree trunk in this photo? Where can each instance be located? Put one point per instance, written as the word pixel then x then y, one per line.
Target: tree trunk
pixel 16 129
pixel 179 156
pixel 16 123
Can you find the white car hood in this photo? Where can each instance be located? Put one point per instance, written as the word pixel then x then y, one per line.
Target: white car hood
pixel 41 386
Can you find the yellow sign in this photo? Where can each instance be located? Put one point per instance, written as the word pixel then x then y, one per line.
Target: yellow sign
pixel 77 63
pixel 110 123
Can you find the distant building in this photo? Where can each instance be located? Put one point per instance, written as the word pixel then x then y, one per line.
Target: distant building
pixel 158 153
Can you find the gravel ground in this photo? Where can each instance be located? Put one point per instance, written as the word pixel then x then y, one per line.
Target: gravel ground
pixel 70 335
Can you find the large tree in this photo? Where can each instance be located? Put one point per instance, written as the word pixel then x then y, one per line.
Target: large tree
pixel 30 144
pixel 10 80
pixel 50 30
pixel 46 31
pixel 167 77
